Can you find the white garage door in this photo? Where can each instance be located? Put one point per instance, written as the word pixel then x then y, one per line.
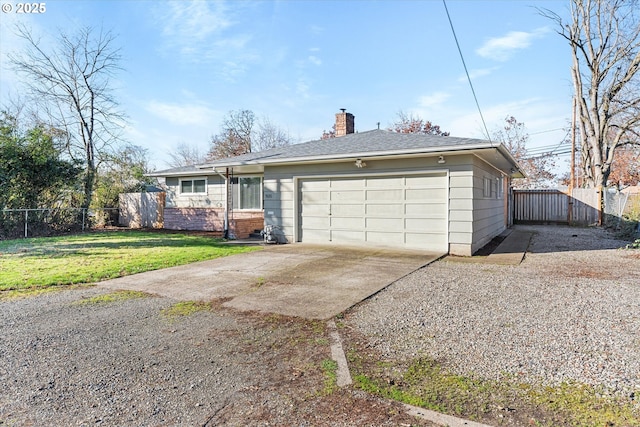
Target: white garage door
pixel 401 211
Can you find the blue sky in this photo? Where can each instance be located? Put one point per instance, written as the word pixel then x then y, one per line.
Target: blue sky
pixel 187 63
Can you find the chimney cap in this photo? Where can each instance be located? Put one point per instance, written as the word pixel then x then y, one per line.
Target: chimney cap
pixel 343 109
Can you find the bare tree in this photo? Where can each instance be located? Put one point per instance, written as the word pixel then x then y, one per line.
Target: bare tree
pixel 71 83
pixel 235 137
pixel 240 135
pixel 269 136
pixel 604 36
pixel 408 123
pixel 186 155
pixel 538 168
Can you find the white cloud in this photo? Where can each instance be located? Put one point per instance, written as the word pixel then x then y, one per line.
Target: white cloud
pixel 193 21
pixel 434 100
pixel 205 32
pixel 183 114
pixel 502 48
pixel 477 73
pixel 302 88
pixel 314 60
pixel 316 29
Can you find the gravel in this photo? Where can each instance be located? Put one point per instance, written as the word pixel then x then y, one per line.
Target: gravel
pixel 125 363
pixel 569 312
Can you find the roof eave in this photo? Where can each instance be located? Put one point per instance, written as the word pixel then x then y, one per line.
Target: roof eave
pixel 363 154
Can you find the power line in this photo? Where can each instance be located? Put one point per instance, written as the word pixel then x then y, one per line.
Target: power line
pixel 466 71
pixel 546 131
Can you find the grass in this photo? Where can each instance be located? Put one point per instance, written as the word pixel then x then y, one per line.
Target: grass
pixel 86 258
pixel 330 370
pixel 112 297
pixel 185 308
pixel 426 384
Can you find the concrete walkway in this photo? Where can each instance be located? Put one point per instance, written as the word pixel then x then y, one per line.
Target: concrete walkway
pixel 512 249
pixel 304 280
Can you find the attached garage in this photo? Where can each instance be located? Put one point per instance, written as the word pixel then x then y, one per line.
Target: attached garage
pixel 412 191
pixel 407 211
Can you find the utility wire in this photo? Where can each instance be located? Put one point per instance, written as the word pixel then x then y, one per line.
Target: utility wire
pixel 466 71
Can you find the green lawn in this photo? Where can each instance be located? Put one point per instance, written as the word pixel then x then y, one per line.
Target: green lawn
pixel 86 258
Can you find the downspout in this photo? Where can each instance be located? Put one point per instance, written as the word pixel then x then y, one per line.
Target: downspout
pixel 226 201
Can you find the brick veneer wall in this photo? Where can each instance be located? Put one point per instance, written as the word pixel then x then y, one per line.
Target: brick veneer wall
pixel 241 224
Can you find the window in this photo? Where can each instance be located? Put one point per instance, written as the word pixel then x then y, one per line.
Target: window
pixel 188 186
pixel 500 184
pixel 486 187
pixel 247 192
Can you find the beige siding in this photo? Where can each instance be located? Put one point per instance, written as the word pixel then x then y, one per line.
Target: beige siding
pixel 280 209
pixel 280 206
pixel 213 198
pixel 461 210
pixel 488 211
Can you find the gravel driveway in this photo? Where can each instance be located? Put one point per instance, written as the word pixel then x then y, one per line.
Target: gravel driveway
pixel 570 311
pixel 126 364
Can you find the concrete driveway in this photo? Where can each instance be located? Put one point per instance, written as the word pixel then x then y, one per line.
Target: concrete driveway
pixel 304 280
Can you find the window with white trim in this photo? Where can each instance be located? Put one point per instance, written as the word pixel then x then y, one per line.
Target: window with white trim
pixel 486 187
pixel 247 192
pixel 500 187
pixel 193 186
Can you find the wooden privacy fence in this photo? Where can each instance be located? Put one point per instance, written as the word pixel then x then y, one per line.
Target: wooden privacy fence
pixel 142 210
pixel 581 207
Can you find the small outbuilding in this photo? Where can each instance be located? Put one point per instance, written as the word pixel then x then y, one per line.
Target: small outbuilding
pixel 413 191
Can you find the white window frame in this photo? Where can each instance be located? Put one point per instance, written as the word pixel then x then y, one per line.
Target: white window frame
pixel 236 193
pixel 192 192
pixel 487 186
pixel 500 187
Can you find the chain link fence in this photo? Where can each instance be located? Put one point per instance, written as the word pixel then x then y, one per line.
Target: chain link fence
pixel 15 223
pixel 622 211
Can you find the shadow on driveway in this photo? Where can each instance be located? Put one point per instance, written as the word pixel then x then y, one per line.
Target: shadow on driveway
pixel 303 280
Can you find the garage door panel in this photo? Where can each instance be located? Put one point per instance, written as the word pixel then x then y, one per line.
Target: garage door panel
pixel 384 210
pixel 348 210
pixel 347 236
pixel 347 196
pixel 396 211
pixel 426 194
pixel 426 181
pixel 385 224
pixel 314 184
pixel 422 224
pixel 428 241
pixel 426 209
pixel 386 238
pixel 347 184
pixel 316 222
pixel 387 194
pixel 315 197
pixel 315 235
pixel 347 223
pixel 385 182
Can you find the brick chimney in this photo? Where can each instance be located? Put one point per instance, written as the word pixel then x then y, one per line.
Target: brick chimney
pixel 344 123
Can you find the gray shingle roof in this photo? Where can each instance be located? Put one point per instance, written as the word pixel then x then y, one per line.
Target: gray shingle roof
pixel 364 144
pixel 182 170
pixel 375 142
